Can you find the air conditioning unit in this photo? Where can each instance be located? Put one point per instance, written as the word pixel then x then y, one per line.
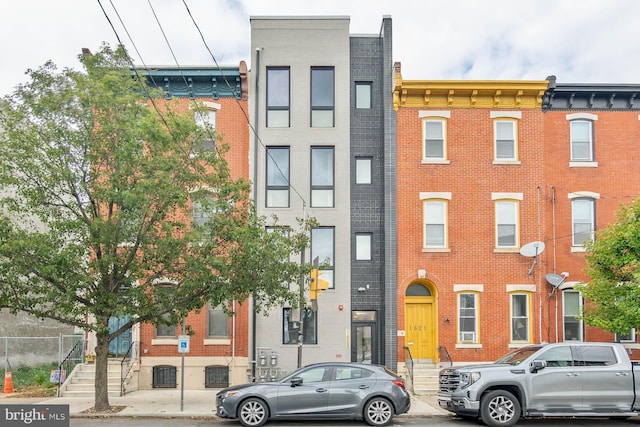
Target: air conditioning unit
pixel 467 337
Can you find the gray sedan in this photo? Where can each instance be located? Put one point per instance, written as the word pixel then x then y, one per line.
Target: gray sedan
pixel 320 391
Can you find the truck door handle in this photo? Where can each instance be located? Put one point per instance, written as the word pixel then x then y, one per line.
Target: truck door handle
pixel 622 374
pixel 321 390
pixel 363 387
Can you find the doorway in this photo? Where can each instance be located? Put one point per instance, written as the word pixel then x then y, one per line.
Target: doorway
pixel 364 345
pixel 421 326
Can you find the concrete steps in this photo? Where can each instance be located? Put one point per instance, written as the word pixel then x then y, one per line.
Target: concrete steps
pixel 425 378
pixel 82 381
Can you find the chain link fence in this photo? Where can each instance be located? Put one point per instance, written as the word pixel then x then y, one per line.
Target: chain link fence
pixel 36 351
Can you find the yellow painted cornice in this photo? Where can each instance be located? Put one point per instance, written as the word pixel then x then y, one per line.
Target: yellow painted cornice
pixel 468 93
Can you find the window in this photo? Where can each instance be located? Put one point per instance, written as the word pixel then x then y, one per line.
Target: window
pixel 506 224
pixel 164 376
pixel 322 176
pixel 278 97
pixel 434 131
pixel 628 337
pixel 291 326
pixel 363 95
pixel 581 141
pixel 203 210
pixel 591 355
pixel 583 220
pixel 322 246
pixel 216 377
pixel 467 318
pixel 164 292
pixel 205 117
pixel 351 373
pixel 277 177
pixel 217 322
pixel 435 224
pixel 505 139
pixel 363 170
pixel 322 97
pixel 315 374
pixel 572 309
pixel 520 318
pixel 363 246
pixel 166 331
pixel 558 357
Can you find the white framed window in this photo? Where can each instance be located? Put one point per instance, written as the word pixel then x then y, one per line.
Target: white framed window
pixel 278 97
pixel 435 223
pixel 202 210
pixel 572 325
pixel 322 97
pixel 363 170
pixel 434 131
pixel 363 95
pixel 277 191
pixel 322 177
pixel 629 337
pixel 217 322
pixel 520 318
pixel 507 224
pixel 581 141
pixel 467 318
pixel 165 329
pixel 363 246
pixel 583 220
pixel 323 247
pixel 505 140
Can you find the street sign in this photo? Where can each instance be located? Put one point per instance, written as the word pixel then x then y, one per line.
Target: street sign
pixel 183 343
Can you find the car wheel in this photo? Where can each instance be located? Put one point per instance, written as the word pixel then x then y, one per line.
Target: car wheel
pixel 499 408
pixel 253 413
pixel 378 412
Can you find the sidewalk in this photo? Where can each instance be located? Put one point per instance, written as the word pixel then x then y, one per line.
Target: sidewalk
pixel 172 404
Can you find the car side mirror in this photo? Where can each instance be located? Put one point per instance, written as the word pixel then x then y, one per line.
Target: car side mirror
pixel 538 365
pixel 296 381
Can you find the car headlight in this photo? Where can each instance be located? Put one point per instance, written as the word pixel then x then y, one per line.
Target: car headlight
pixel 230 394
pixel 468 378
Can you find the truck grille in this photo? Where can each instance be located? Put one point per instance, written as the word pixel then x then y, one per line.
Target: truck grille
pixel 449 380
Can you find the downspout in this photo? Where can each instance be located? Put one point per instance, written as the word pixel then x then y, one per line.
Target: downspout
pixel 256 140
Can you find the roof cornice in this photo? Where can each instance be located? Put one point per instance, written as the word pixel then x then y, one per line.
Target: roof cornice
pixel 468 93
pixel 584 96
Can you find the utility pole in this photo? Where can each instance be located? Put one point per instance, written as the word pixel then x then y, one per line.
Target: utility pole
pixel 301 310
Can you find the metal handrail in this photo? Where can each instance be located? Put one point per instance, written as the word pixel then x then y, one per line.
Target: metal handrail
pixel 408 361
pixel 126 364
pixel 442 350
pixel 75 356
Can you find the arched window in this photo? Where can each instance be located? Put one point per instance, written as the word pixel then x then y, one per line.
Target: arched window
pixel 417 290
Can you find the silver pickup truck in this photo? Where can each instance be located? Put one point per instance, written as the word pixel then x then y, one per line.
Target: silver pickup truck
pixel 572 379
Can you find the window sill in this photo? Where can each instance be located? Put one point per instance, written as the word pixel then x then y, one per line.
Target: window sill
pixel 518 344
pixel 578 249
pixel 217 341
pixel 476 345
pixel 506 250
pixel 507 162
pixel 583 164
pixel 164 341
pixel 436 250
pixel 436 161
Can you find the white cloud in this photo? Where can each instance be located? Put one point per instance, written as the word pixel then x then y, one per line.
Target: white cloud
pixel 586 41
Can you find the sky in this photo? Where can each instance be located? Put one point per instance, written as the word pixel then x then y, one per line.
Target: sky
pixel 578 41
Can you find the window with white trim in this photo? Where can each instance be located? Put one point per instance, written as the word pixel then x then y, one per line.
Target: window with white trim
pixel 363 170
pixel 277 191
pixel 217 322
pixel 434 142
pixel 205 117
pixel 629 337
pixel 435 223
pixel 520 318
pixel 278 98
pixel 581 140
pixel 467 318
pixel 583 220
pixel 505 141
pixel 572 325
pixel 506 224
pixel 363 95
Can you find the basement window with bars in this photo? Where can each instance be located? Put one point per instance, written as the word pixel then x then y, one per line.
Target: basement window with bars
pixel 164 376
pixel 216 377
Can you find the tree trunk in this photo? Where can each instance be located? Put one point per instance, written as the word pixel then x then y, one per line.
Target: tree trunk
pixel 101 385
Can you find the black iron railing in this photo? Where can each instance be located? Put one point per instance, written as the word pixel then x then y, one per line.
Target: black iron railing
pixel 408 361
pixel 444 355
pixel 74 357
pixel 127 363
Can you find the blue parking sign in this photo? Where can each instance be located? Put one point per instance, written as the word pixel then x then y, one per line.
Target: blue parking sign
pixel 183 343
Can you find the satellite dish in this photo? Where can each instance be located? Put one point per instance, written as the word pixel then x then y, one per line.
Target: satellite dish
pixel 555 280
pixel 532 250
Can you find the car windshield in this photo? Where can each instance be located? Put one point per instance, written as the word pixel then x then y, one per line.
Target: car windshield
pixel 516 357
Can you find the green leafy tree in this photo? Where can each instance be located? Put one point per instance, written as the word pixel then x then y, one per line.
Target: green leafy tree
pixel 613 264
pixel 98 173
